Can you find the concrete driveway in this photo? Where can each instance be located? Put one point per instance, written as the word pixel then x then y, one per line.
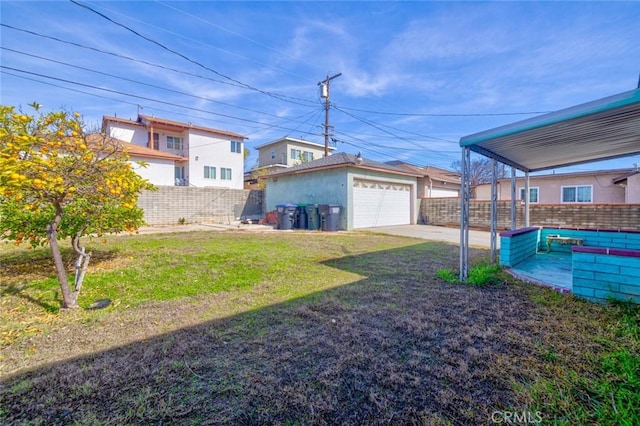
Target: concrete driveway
pixel 477 239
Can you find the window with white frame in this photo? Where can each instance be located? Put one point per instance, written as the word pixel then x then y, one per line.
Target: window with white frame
pixel 295 154
pixel 225 174
pixel 236 146
pixel 174 142
pixel 273 155
pixel 577 194
pixel 307 156
pixel 210 172
pixel 533 194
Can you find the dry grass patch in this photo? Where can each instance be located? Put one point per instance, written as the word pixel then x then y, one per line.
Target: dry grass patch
pixel 337 329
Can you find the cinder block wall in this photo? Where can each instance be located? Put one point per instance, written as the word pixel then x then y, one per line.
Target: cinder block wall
pixel 600 274
pixel 169 204
pixel 517 246
pixel 446 211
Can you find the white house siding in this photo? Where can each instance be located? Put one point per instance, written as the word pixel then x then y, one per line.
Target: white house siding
pixel 443 193
pixel 128 133
pixel 158 171
pixel 208 150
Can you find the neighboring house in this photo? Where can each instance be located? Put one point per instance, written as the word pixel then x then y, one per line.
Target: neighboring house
pixel 435 182
pixel 287 152
pixel 597 187
pixel 631 184
pixel 203 156
pixel 159 167
pixel 370 193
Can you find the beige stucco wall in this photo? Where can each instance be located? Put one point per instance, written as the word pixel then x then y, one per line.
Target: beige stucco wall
pixel 633 189
pixel 550 188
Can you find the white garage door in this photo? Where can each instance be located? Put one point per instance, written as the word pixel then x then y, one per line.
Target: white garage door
pixel 380 204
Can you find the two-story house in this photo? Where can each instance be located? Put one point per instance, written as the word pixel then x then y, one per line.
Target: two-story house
pixel 288 152
pixel 202 156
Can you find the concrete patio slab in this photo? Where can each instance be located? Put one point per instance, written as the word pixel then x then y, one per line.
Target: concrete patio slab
pixel 477 239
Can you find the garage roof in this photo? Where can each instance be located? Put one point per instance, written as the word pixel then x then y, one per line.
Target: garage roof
pixel 598 130
pixel 342 159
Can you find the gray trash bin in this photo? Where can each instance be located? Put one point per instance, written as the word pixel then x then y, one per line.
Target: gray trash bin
pixel 286 213
pixel 300 217
pixel 330 216
pixel 313 217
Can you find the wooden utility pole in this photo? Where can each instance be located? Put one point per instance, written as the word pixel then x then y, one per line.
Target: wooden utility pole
pixel 325 94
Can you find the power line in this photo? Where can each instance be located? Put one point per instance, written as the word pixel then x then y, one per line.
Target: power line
pixel 175 52
pixel 417 114
pixel 145 98
pixel 136 81
pixel 199 18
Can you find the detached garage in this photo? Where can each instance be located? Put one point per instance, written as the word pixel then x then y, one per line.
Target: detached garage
pixel 371 194
pixel 379 203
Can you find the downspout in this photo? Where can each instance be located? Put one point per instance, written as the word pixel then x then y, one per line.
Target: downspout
pixel 526 199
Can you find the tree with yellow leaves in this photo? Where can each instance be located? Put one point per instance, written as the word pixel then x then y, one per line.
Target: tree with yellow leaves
pixel 58 181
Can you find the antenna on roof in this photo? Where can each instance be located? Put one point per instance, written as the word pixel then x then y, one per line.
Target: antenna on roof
pixel 139 108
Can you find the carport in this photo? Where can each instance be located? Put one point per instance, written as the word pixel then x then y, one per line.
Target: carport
pixel 603 129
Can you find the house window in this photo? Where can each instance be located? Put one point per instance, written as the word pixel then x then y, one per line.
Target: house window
pixel 577 194
pixel 210 172
pixel 225 174
pixel 533 194
pixel 295 154
pixel 307 156
pixel 174 142
pixel 236 146
pixel 273 155
pixel 156 140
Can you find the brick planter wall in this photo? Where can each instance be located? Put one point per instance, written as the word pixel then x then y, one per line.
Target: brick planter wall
pixel 219 205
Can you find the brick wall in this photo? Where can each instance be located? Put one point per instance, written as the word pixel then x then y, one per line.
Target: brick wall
pixel 446 211
pixel 169 204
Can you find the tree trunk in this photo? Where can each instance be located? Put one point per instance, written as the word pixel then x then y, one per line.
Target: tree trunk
pixel 69 298
pixel 82 262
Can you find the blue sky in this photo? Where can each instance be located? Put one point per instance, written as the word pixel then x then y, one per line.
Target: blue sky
pixel 416 76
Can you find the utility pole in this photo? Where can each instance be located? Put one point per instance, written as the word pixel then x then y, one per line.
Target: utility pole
pixel 325 94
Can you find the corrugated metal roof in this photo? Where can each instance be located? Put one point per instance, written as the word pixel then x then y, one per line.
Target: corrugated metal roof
pixel 598 130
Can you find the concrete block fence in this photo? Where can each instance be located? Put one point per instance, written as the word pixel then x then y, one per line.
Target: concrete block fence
pixel 171 204
pixel 446 212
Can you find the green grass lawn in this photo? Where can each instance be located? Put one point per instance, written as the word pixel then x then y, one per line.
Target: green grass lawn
pixel 304 328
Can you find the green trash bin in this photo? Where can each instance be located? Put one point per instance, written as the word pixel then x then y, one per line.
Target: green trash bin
pixel 313 217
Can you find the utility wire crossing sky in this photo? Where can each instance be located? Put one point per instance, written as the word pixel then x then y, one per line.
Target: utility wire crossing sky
pixel 414 76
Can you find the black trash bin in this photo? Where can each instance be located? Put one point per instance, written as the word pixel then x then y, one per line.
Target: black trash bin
pixel 313 217
pixel 300 221
pixel 330 217
pixel 286 213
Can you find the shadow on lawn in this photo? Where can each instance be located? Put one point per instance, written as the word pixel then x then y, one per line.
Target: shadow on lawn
pixel 398 346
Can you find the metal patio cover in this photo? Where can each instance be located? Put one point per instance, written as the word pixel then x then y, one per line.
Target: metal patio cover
pixel 598 130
